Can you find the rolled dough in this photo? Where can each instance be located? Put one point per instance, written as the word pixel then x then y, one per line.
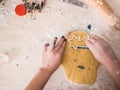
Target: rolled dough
pixel 79 65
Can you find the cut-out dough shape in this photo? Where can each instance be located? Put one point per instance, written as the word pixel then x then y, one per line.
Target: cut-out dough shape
pixel 79 65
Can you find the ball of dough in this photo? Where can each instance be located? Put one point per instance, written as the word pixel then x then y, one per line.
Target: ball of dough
pixel 79 65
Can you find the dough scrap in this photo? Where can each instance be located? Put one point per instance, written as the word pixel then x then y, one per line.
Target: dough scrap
pixel 79 65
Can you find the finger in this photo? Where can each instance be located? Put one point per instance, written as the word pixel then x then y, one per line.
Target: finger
pixel 97 37
pixel 90 44
pixel 45 47
pixel 59 44
pixel 93 40
pixel 52 45
pixel 61 50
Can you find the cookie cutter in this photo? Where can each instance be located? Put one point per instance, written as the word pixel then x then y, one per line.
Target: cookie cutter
pixel 79 39
pixel 34 6
pixel 4 59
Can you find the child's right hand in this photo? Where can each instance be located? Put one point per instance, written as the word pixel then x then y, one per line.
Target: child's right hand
pixel 101 50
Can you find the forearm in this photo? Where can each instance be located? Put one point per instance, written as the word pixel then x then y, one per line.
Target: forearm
pixel 39 80
pixel 113 67
pixel 51 60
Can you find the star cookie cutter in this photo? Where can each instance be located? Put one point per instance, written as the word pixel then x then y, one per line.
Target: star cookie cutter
pixel 79 39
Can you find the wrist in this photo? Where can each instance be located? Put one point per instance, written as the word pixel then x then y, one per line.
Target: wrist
pixel 110 63
pixel 45 70
pixel 109 60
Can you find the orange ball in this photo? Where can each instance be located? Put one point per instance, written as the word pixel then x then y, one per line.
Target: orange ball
pixel 20 10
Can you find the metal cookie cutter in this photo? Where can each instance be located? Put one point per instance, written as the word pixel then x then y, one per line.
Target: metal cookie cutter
pixel 79 39
pixel 4 59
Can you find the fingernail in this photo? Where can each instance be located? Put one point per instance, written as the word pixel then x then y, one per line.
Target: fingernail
pixel 65 39
pixel 55 37
pixel 47 44
pixel 62 36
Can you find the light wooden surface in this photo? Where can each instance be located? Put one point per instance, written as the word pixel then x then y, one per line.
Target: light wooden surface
pixel 22 40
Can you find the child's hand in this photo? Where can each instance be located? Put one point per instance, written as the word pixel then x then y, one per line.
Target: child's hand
pixel 101 50
pixel 52 54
